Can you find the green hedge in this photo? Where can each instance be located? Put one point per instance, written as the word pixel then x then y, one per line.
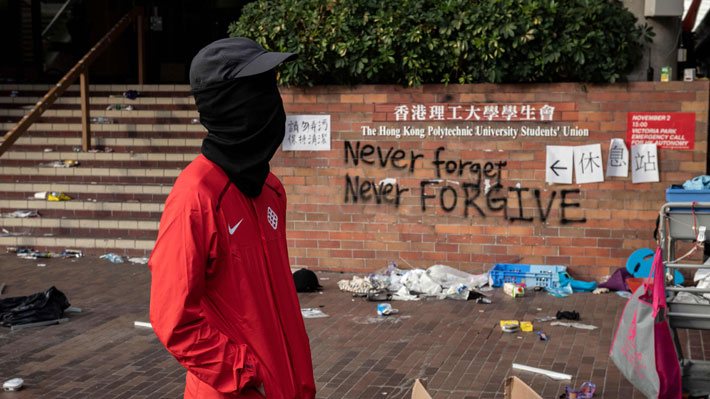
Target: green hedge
pixel 411 42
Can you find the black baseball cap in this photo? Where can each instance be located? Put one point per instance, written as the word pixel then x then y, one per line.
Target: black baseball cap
pixel 232 58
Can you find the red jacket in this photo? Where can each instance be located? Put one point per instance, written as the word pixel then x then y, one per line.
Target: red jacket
pixel 223 301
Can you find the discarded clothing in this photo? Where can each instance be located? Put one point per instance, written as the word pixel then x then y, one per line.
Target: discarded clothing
pixel 698 183
pixel 560 292
pixel 42 306
pixel 577 285
pixel 617 281
pixel 21 214
pixel 562 314
pixel 306 281
pixel 688 297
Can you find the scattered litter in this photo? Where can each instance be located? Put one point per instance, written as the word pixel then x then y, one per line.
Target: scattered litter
pixel 515 388
pixel 61 164
pixel 539 309
pixel 560 292
pixel 8 233
pixel 41 265
pixel 586 391
pixel 601 291
pixel 385 309
pixel 48 150
pixel 509 326
pixel 526 326
pixel 194 121
pixel 21 214
pixel 77 149
pixel 378 296
pixel 13 384
pixel 483 300
pixel 128 108
pixel 438 281
pixel 52 196
pixel 114 258
pixel 142 324
pixel 544 319
pixel 325 278
pixel 567 315
pixel 72 253
pixel 47 235
pixel 131 94
pixel 543 336
pixel 14 93
pixel 419 390
pixel 624 294
pixel 101 120
pixel 513 290
pixel 312 313
pixel 141 261
pixel 575 325
pixel 552 374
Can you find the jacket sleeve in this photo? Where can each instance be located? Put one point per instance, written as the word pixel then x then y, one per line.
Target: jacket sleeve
pixel 186 245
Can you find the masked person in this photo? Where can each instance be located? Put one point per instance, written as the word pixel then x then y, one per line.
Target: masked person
pixel 223 301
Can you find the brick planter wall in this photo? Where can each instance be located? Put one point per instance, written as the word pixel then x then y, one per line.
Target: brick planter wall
pixel 337 221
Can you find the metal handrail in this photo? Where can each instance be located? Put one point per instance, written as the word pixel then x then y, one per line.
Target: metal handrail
pixel 80 70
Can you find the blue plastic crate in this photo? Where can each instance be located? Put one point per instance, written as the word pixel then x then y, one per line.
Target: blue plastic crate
pixel 526 275
pixel 683 195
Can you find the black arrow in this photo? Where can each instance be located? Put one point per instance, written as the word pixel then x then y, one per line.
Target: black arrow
pixel 553 167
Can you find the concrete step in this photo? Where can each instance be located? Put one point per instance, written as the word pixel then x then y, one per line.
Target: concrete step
pixel 18 102
pixel 88 192
pixel 89 245
pixel 119 145
pixel 99 159
pixel 90 175
pixel 52 227
pixel 86 209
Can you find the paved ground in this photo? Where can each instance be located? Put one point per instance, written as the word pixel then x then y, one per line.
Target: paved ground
pixel 356 354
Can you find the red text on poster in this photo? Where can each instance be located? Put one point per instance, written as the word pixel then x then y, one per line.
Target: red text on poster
pixel 668 130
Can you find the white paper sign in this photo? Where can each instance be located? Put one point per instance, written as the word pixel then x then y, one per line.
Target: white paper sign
pixel 618 162
pixel 644 163
pixel 307 133
pixel 558 168
pixel 588 164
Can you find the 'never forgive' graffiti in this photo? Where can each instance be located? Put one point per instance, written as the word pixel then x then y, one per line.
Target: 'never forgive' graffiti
pixel 481 194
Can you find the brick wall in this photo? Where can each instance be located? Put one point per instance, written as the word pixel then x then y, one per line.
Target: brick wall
pixel 526 220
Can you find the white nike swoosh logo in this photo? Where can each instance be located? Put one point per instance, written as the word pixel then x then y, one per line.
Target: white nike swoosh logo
pixel 233 229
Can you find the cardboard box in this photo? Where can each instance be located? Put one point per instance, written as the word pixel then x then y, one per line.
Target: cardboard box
pixel 515 388
pixel 419 390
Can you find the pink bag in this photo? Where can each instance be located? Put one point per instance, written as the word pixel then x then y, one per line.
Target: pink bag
pixel 643 348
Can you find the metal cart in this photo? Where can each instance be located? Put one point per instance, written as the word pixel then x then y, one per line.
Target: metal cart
pixel 682 221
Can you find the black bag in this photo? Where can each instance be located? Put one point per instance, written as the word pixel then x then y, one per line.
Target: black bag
pixel 42 306
pixel 306 281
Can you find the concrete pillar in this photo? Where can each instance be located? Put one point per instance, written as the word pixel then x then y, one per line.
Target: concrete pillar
pixel 664 49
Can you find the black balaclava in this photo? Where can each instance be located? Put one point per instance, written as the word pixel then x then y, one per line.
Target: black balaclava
pixel 234 85
pixel 245 120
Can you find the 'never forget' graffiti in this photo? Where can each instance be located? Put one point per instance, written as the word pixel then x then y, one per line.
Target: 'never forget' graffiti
pixel 483 193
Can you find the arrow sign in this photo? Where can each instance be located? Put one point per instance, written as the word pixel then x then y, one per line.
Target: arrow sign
pixel 554 166
pixel 559 164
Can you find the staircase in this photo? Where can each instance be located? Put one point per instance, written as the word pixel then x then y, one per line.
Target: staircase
pixel 118 196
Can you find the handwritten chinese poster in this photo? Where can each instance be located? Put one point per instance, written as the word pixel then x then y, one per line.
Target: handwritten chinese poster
pixel 588 164
pixel 558 168
pixel 644 163
pixel 618 162
pixel 307 133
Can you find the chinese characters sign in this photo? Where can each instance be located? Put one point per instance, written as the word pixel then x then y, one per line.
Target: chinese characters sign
pixel 644 163
pixel 307 133
pixel 587 162
pixel 668 130
pixel 618 163
pixel 483 112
